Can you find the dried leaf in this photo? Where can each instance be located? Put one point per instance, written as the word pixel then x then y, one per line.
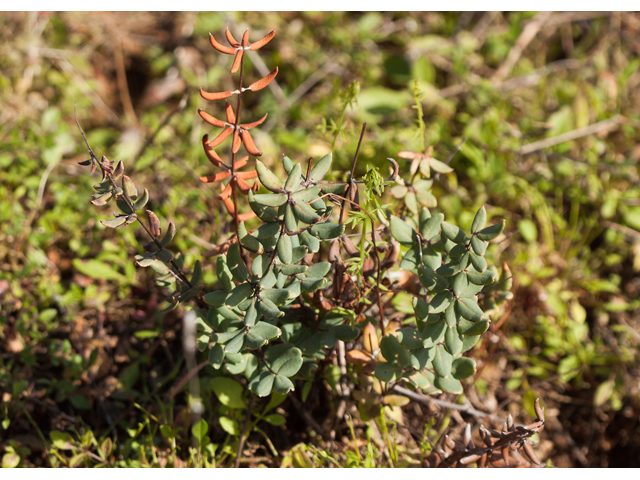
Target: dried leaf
pixel 249 145
pixel 215 96
pixel 263 82
pixel 263 41
pixel 221 48
pixel 154 223
pixel 210 119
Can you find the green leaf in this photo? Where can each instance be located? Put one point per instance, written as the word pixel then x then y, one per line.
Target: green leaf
pixel 468 328
pixel 442 361
pixel 61 440
pixel 402 232
pixel 478 246
pixel 293 269
pixel 282 385
pixel 228 391
pixel 285 249
pixel 265 213
pixel 249 241
pixel 239 294
pixel 216 356
pixel 97 269
pixel 387 372
pixel 440 302
pixel 142 201
pixel 478 262
pixel 346 333
pixel 129 189
pixel 431 226
pixel 469 309
pixel 236 343
pixel 485 278
pixel 393 351
pixel 479 220
pixel 319 269
pixel 431 280
pixel 217 298
pixel 492 231
pixel 171 232
pixel 197 272
pixel 271 199
pixel 115 223
pixel 311 242
pixel 269 309
pixel 528 230
pixel 279 296
pixel 450 385
pixel 262 384
pixel 293 181
pixel 410 338
pixel 326 230
pixel 463 367
pixel 288 362
pixel 275 419
pixel 453 233
pixel 265 330
pixel 230 426
pixel 321 168
pixel 305 213
pixel 434 333
pixel 268 179
pixel 290 222
pixel 236 266
pixel 453 340
pixel 439 166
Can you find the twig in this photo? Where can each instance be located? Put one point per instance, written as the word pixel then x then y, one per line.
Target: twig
pixel 528 34
pixel 123 86
pixel 186 378
pixel 573 135
pixel 243 435
pixel 441 403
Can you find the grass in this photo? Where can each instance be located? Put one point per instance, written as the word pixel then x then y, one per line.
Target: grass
pixel 83 342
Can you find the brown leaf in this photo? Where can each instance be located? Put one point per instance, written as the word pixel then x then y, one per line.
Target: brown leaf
pixel 215 178
pixel 211 119
pixel 211 154
pixel 528 449
pixel 249 145
pixel 263 41
pixel 539 410
pixel 154 223
pixel 221 48
pixel 232 41
pixel 247 126
pixel 236 61
pixel 215 96
pixel 221 137
pixel 264 81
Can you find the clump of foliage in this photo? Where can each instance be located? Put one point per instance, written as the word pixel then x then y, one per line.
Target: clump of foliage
pixel 279 315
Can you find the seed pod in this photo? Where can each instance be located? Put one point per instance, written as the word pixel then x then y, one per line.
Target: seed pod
pixel 334 251
pixel 528 449
pixel 249 145
pixel 216 95
pixel 263 41
pixel 221 48
pixel 154 224
pixel 539 410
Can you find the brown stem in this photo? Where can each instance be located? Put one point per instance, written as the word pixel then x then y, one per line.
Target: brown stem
pixel 353 167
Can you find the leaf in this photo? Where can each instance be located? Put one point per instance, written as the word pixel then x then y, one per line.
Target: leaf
pixel 228 391
pixel 434 333
pixel 450 385
pixel 269 309
pixel 230 426
pixel 97 269
pixel 171 232
pixel 282 385
pixel 478 246
pixel 311 242
pixel 270 199
pixel 265 213
pixel 468 328
pixel 479 220
pixel 439 166
pixel 236 266
pixel 431 280
pixel 478 262
pixel 275 419
pixel 326 230
pixel 262 384
pixel 453 340
pixel 115 223
pixel 290 222
pixel 294 178
pixel 321 168
pixel 142 201
pixel 216 356
pixel 285 249
pixel 387 372
pixel 393 351
pixel 485 278
pixel 469 309
pixel 463 367
pixel 277 295
pixel 305 213
pixel 453 233
pixel 265 330
pixel 268 179
pixel 402 232
pixel 440 302
pixel 239 294
pixel 442 361
pixel 430 227
pixel 217 298
pixel 224 274
pixel 288 362
pixel 61 440
pixel 492 231
pixel 603 393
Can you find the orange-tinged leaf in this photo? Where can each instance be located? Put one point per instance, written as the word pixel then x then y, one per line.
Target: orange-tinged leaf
pixel 232 41
pixel 236 142
pixel 370 338
pixel 231 117
pixel 236 61
pixel 358 357
pixel 241 163
pixel 211 119
pixel 215 178
pixel 243 217
pixel 263 41
pixel 247 126
pixel 247 175
pixel 245 38
pixel 244 185
pixel 264 81
pixel 221 137
pixel 226 192
pixel 221 48
pixel 210 152
pixel 215 96
pixel 249 145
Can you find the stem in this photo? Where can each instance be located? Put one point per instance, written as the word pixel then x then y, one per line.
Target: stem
pixel 244 430
pixel 353 167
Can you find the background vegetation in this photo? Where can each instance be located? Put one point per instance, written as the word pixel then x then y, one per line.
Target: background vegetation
pixel 90 373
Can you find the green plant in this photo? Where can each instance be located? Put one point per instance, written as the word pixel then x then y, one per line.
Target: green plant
pixel 279 312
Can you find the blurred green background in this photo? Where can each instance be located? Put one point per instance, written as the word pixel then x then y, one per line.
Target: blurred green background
pixel 550 108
